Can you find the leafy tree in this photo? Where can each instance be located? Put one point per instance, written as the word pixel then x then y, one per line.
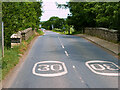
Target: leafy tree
pixel 66 28
pixel 55 21
pixel 19 16
pixel 93 14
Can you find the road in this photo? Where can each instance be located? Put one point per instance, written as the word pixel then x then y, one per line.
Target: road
pixel 66 61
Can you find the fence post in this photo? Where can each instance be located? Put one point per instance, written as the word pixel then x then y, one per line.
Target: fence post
pixel 2 39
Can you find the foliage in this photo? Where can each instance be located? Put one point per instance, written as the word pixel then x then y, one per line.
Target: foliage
pixel 12 56
pixel 93 14
pixel 55 21
pixel 119 54
pixel 19 16
pixel 40 32
pixel 66 30
pixel 10 60
pixel 58 31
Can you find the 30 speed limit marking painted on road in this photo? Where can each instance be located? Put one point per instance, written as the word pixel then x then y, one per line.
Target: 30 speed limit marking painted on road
pixel 49 68
pixel 103 68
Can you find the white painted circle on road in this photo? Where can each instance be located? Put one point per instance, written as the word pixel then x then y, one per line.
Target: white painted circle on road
pixel 49 69
pixel 103 68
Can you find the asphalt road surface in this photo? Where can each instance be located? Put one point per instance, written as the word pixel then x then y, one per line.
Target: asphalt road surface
pixel 65 61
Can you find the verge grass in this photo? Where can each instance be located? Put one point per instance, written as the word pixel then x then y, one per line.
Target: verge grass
pixel 39 32
pixel 58 32
pixel 12 55
pixel 10 59
pixel 72 32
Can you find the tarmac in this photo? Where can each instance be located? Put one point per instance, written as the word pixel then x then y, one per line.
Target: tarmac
pixel 113 47
pixel 65 61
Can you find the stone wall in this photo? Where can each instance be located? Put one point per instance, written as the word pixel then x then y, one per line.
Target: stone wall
pixel 104 33
pixel 27 33
pixel 21 35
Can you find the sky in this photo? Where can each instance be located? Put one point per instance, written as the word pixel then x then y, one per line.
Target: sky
pixel 50 9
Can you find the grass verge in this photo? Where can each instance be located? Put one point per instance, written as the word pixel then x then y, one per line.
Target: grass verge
pixel 76 32
pixel 39 32
pixel 58 32
pixel 12 55
pixel 10 59
pixel 67 33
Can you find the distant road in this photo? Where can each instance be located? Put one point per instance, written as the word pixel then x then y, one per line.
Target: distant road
pixel 65 61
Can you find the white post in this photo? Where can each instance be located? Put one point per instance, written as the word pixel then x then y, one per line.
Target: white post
pixel 2 39
pixel 40 26
pixel 52 26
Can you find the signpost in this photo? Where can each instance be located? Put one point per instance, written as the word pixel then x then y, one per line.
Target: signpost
pixel 2 39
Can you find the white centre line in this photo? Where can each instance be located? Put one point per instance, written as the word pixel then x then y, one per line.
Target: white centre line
pixel 61 43
pixel 66 53
pixel 79 76
pixel 62 46
pixel 73 66
pixel 59 39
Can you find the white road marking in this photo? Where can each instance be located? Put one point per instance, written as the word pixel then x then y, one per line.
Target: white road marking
pixel 61 43
pixel 100 69
pixel 59 38
pixel 66 53
pixel 82 81
pixel 78 75
pixel 93 69
pixel 63 46
pixel 73 66
pixel 50 75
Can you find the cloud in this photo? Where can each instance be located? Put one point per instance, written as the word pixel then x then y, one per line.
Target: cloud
pixel 59 1
pixel 50 9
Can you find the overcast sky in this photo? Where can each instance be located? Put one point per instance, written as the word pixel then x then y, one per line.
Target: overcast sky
pixel 50 9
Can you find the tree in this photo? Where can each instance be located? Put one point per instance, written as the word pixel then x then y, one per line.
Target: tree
pixel 19 16
pixel 55 21
pixel 93 14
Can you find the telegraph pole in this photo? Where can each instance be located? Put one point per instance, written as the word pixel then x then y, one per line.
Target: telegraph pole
pixel 2 39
